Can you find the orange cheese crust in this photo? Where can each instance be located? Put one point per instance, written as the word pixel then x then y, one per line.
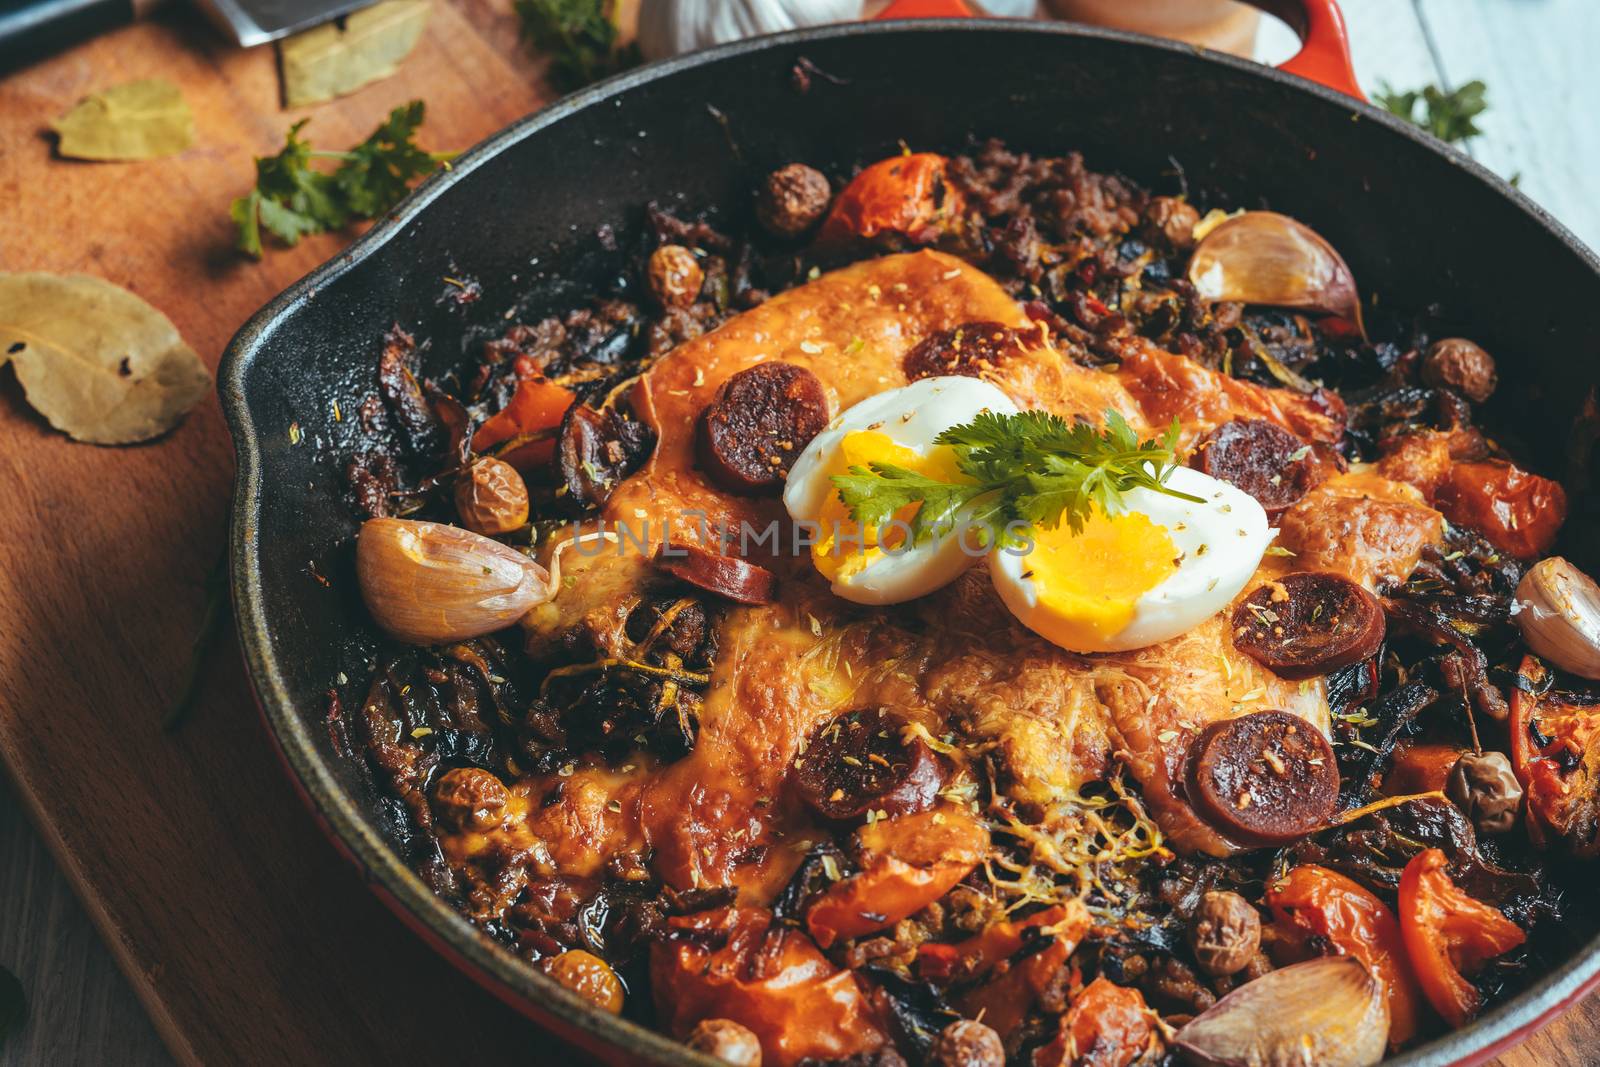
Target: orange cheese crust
pixel 956 662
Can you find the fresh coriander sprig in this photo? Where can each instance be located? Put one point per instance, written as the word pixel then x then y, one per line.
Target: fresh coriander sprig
pixel 1029 470
pixel 1446 115
pixel 580 37
pixel 291 199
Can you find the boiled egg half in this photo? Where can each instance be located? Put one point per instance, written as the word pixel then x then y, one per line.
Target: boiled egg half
pixel 898 427
pixel 1155 569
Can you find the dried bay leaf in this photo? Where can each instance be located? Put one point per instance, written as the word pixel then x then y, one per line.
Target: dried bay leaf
pixel 94 359
pixel 139 120
pixel 330 61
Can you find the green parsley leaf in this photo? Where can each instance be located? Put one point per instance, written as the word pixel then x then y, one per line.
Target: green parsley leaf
pixel 1446 115
pixel 292 198
pixel 1024 471
pixel 581 37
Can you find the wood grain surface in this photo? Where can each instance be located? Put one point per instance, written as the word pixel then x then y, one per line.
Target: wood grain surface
pixel 244 935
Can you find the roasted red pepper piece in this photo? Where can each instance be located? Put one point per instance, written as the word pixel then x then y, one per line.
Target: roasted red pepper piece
pixel 1555 750
pixel 1520 513
pixel 906 194
pixel 536 407
pixel 1449 935
pixel 731 963
pixel 1016 984
pixel 1314 902
pixel 908 862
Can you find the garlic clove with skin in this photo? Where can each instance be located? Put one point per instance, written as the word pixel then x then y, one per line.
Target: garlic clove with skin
pixel 429 583
pixel 1558 609
pixel 1262 257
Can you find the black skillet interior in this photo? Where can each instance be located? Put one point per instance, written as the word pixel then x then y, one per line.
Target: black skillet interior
pixel 520 215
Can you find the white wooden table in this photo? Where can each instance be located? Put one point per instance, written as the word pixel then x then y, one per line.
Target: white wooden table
pixel 1538 59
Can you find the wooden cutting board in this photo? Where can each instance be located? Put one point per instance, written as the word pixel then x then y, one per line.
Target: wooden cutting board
pixel 246 936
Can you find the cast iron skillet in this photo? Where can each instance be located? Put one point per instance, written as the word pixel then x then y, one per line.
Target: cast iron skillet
pixel 1418 223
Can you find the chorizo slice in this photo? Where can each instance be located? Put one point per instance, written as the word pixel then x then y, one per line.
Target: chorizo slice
pixel 757 424
pixel 1263 459
pixel 863 761
pixel 1265 778
pixel 726 576
pixel 1308 624
pixel 968 349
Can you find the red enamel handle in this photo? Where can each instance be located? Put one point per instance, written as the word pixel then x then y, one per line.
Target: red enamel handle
pixel 1324 55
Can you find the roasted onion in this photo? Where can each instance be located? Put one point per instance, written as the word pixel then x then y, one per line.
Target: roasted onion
pixel 1560 616
pixel 1262 257
pixel 1329 1012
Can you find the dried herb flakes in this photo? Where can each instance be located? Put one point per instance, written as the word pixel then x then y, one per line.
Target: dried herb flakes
pixel 95 360
pixel 139 120
pixel 331 60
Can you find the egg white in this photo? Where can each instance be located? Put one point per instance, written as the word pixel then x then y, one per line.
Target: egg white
pixel 911 416
pixel 1220 544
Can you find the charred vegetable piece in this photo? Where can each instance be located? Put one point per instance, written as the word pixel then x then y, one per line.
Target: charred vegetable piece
pixel 863 761
pixel 596 450
pixel 968 349
pixel 675 276
pixel 1520 513
pixel 1308 624
pixel 399 380
pixel 1325 911
pixel 1225 933
pixel 590 977
pixel 736 964
pixel 967 1043
pixel 527 424
pixel 1263 459
pixel 964 960
pixel 1329 1012
pixel 792 199
pixel 726 576
pixel 491 497
pixel 907 863
pixel 1456 363
pixel 1107 1025
pixel 1555 751
pixel 1265 778
pixel 427 583
pixel 1449 935
pixel 758 424
pixel 1035 971
pixel 1485 788
pixel 727 1041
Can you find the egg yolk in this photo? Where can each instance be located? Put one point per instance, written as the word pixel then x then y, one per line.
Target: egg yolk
pixel 843 549
pixel 1089 583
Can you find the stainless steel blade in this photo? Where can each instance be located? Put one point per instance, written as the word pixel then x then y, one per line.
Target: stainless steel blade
pixel 253 22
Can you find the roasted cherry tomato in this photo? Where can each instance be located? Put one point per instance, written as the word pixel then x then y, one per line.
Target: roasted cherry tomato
pixel 1313 902
pixel 1449 935
pixel 1555 750
pixel 534 412
pixel 907 863
pixel 1107 1025
pixel 1520 513
pixel 733 963
pixel 908 195
pixel 1308 624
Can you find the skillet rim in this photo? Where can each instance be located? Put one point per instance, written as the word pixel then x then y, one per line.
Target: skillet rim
pixel 489 963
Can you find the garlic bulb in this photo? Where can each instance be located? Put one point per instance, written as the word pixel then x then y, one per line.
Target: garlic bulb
pixel 428 583
pixel 672 27
pixel 1262 257
pixel 1559 612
